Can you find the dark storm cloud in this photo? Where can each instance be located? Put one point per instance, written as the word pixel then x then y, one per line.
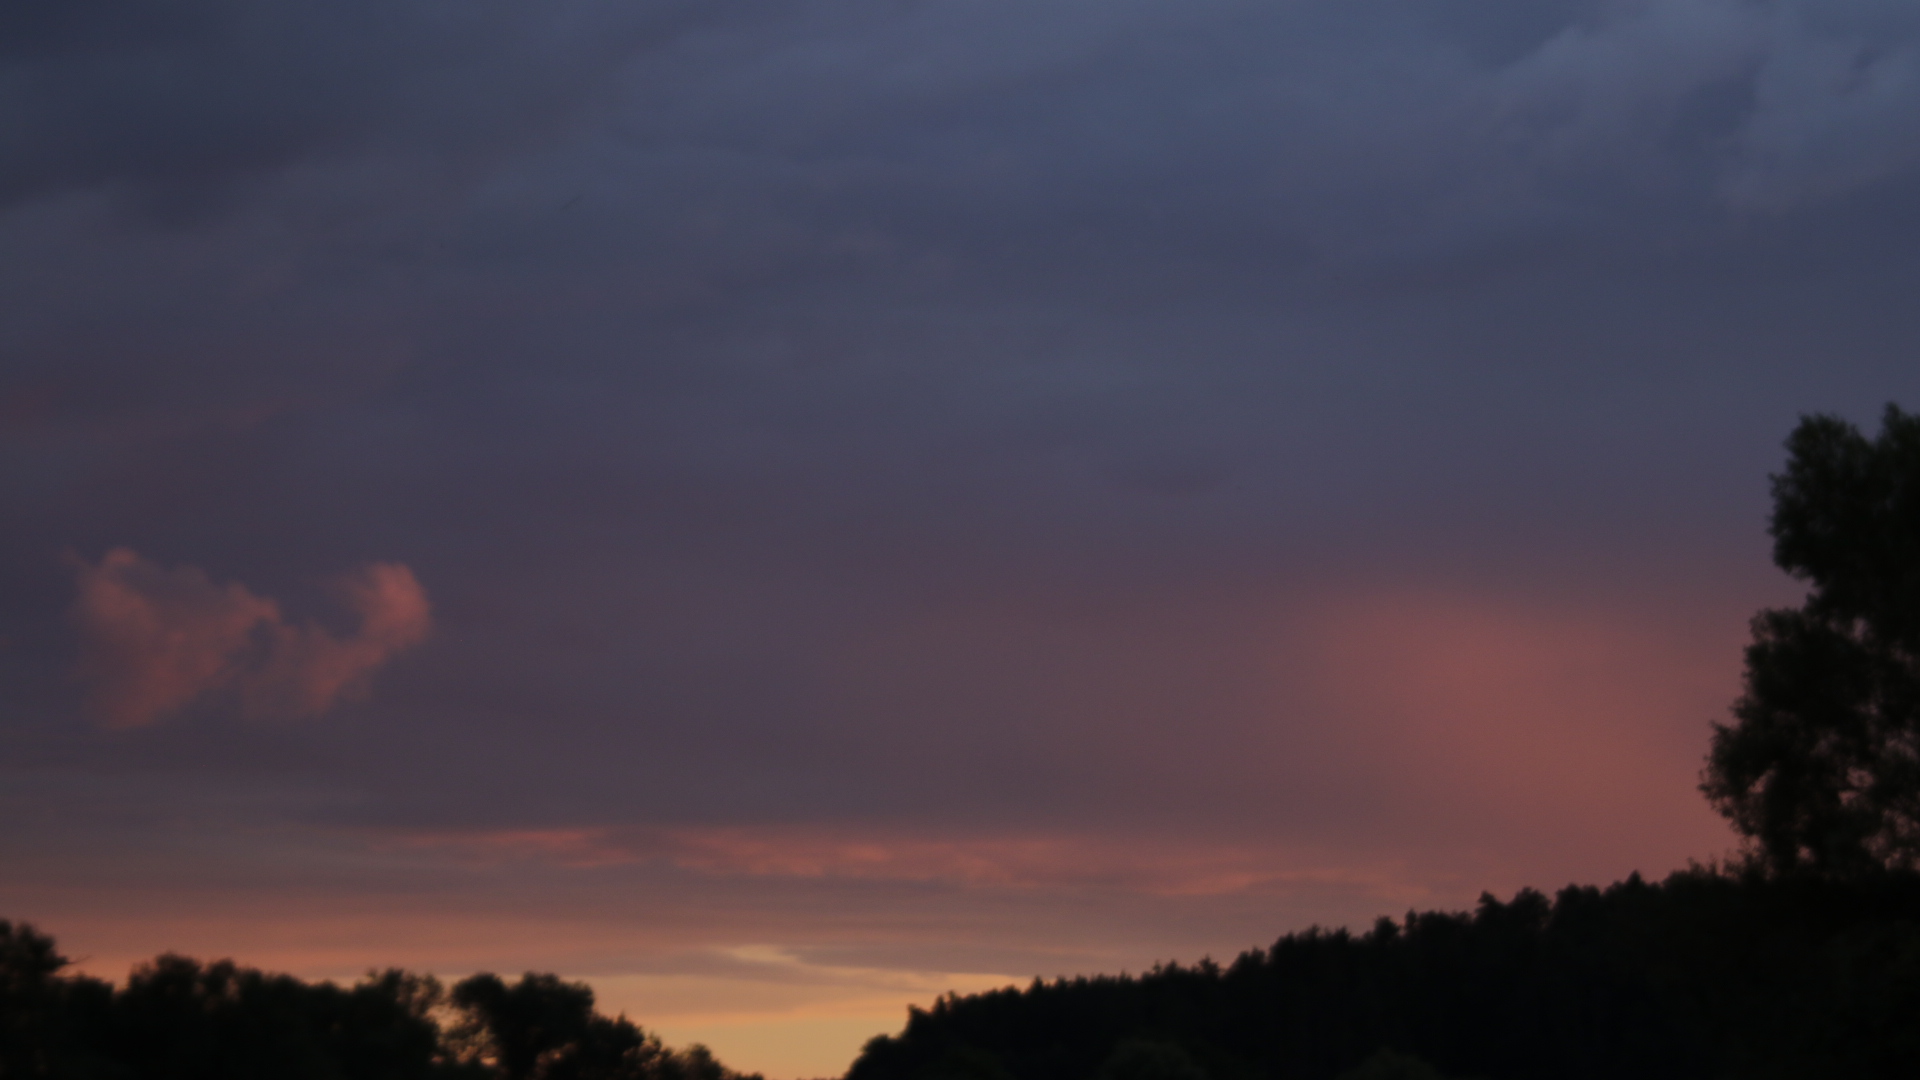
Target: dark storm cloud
pixel 784 240
pixel 983 277
pixel 1360 130
pixel 1357 129
pixel 176 103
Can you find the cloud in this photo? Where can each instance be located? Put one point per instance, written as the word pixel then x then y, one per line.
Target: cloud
pixel 1156 867
pixel 1838 110
pixel 156 640
pixel 178 102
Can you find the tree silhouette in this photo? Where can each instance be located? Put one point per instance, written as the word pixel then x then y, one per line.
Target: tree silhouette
pixel 29 997
pixel 49 1022
pixel 183 1019
pixel 179 1017
pixel 544 1028
pixel 1821 769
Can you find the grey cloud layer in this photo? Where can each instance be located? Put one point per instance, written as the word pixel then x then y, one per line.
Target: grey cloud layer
pixel 1358 129
pixel 177 102
pixel 694 354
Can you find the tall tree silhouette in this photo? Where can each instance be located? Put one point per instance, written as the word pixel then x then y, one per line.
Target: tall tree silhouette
pixel 1821 768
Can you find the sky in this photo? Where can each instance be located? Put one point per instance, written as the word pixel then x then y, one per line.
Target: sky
pixel 786 508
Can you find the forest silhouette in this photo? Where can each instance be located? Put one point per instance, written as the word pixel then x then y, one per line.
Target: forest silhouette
pixel 182 1019
pixel 1799 957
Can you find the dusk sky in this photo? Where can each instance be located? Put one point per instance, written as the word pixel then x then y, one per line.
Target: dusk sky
pixel 784 508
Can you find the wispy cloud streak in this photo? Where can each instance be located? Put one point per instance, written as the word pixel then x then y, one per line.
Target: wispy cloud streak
pixel 1027 861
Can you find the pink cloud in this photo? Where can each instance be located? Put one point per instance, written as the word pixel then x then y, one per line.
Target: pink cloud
pixel 1159 866
pixel 155 640
pixel 306 668
pixel 578 847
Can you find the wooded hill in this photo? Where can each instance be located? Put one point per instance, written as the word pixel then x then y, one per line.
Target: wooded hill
pixel 1704 975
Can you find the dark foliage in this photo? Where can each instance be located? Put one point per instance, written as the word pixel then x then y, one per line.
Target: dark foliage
pixel 541 1028
pixel 1702 976
pixel 1821 769
pixel 181 1019
pixel 48 1022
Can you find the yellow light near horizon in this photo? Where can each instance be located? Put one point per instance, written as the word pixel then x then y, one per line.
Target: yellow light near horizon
pixel 811 1026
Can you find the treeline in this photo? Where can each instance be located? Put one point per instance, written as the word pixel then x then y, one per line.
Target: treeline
pixel 182 1019
pixel 1706 975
